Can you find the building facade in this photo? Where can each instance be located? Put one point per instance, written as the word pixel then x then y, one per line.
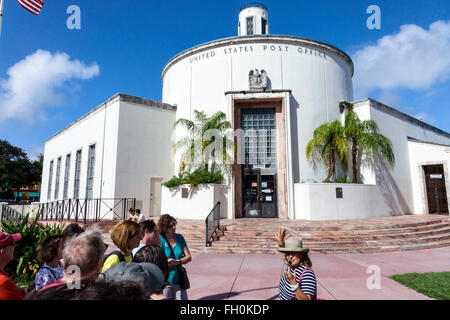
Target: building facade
pixel 276 90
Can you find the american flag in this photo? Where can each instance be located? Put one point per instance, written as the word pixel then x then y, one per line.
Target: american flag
pixel 34 6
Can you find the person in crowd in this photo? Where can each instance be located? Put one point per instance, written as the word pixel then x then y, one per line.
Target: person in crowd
pixel 72 230
pixel 154 254
pixel 8 289
pixel 114 290
pixel 150 235
pixel 83 258
pixel 126 235
pixel 139 216
pixel 50 253
pixel 298 281
pixel 147 274
pixel 177 252
pixel 131 214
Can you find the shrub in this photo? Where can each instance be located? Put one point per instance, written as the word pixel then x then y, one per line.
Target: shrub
pixel 195 178
pixel 25 264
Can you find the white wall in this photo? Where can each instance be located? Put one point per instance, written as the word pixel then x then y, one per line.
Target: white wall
pixel 144 149
pixel 98 127
pixel 421 154
pixel 197 205
pixel 317 201
pixel 318 75
pixel 396 185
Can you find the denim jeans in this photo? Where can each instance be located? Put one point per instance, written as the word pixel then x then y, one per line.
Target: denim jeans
pixel 175 291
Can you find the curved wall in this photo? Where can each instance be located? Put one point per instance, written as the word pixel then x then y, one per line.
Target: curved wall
pixel 319 75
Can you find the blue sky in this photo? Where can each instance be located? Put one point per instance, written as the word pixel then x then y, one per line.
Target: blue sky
pixel 50 75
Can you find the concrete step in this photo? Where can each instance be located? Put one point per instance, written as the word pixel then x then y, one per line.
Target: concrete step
pixel 312 237
pixel 342 227
pixel 346 236
pixel 343 250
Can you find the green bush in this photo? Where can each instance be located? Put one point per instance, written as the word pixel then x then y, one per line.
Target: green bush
pixel 195 178
pixel 24 265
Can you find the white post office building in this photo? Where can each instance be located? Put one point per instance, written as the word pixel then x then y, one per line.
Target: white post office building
pixel 291 85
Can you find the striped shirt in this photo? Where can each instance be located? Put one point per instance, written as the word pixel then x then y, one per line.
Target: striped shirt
pixel 308 284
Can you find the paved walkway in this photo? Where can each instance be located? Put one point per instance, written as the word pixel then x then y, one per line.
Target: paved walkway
pixel 340 276
pixel 216 276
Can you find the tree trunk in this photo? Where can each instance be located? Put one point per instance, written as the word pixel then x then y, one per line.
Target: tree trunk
pixel 354 162
pixel 331 168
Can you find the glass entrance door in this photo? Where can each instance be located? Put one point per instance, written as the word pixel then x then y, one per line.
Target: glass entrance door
pixel 260 163
pixel 259 194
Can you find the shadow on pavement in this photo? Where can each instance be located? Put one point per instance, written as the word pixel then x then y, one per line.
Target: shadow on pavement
pixel 223 296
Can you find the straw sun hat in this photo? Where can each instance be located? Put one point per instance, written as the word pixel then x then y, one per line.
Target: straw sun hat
pixel 293 245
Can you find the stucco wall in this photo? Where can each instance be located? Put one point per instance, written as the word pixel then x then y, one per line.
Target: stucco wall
pixel 421 154
pixel 199 203
pixel 317 201
pixel 98 127
pixel 144 148
pixel 318 75
pixel 396 185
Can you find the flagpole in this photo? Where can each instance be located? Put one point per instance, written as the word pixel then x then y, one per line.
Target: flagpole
pixel 1 16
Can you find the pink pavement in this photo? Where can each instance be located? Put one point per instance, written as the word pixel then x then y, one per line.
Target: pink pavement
pixel 216 276
pixel 340 276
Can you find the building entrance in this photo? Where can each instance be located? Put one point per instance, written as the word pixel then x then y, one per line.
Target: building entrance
pixel 259 169
pixel 260 196
pixel 436 191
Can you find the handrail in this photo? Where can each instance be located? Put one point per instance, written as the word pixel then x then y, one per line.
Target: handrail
pixel 212 223
pixel 86 209
pixel 8 213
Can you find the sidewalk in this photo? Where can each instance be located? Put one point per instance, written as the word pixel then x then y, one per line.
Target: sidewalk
pixel 340 276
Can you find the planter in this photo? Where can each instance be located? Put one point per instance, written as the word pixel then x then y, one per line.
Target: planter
pixel 184 202
pixel 335 201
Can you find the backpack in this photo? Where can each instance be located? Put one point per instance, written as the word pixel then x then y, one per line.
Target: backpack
pixel 117 253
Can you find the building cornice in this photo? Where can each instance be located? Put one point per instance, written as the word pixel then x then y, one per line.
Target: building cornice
pixel 410 139
pixel 244 92
pixel 403 116
pixel 257 39
pixel 119 97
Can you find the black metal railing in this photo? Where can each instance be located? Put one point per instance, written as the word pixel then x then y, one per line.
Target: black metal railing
pixel 10 214
pixel 92 210
pixel 212 223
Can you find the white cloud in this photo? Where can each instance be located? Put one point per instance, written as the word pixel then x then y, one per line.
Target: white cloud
pixel 413 58
pixel 390 98
pixel 37 82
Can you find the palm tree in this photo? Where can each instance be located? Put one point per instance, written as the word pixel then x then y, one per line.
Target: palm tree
pixel 201 133
pixel 365 141
pixel 328 146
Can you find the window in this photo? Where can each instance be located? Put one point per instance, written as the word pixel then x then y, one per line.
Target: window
pixel 250 25
pixel 90 173
pixel 50 174
pixel 259 147
pixel 58 174
pixel 66 176
pixel 263 25
pixel 76 186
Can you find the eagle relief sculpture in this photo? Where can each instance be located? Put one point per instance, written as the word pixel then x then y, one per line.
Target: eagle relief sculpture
pixel 257 80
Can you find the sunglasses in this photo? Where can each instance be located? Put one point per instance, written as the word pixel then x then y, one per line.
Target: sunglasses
pixel 172 225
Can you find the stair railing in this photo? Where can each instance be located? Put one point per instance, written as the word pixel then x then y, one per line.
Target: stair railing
pixel 212 223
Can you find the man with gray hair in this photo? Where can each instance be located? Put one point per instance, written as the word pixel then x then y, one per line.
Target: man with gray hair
pixel 83 258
